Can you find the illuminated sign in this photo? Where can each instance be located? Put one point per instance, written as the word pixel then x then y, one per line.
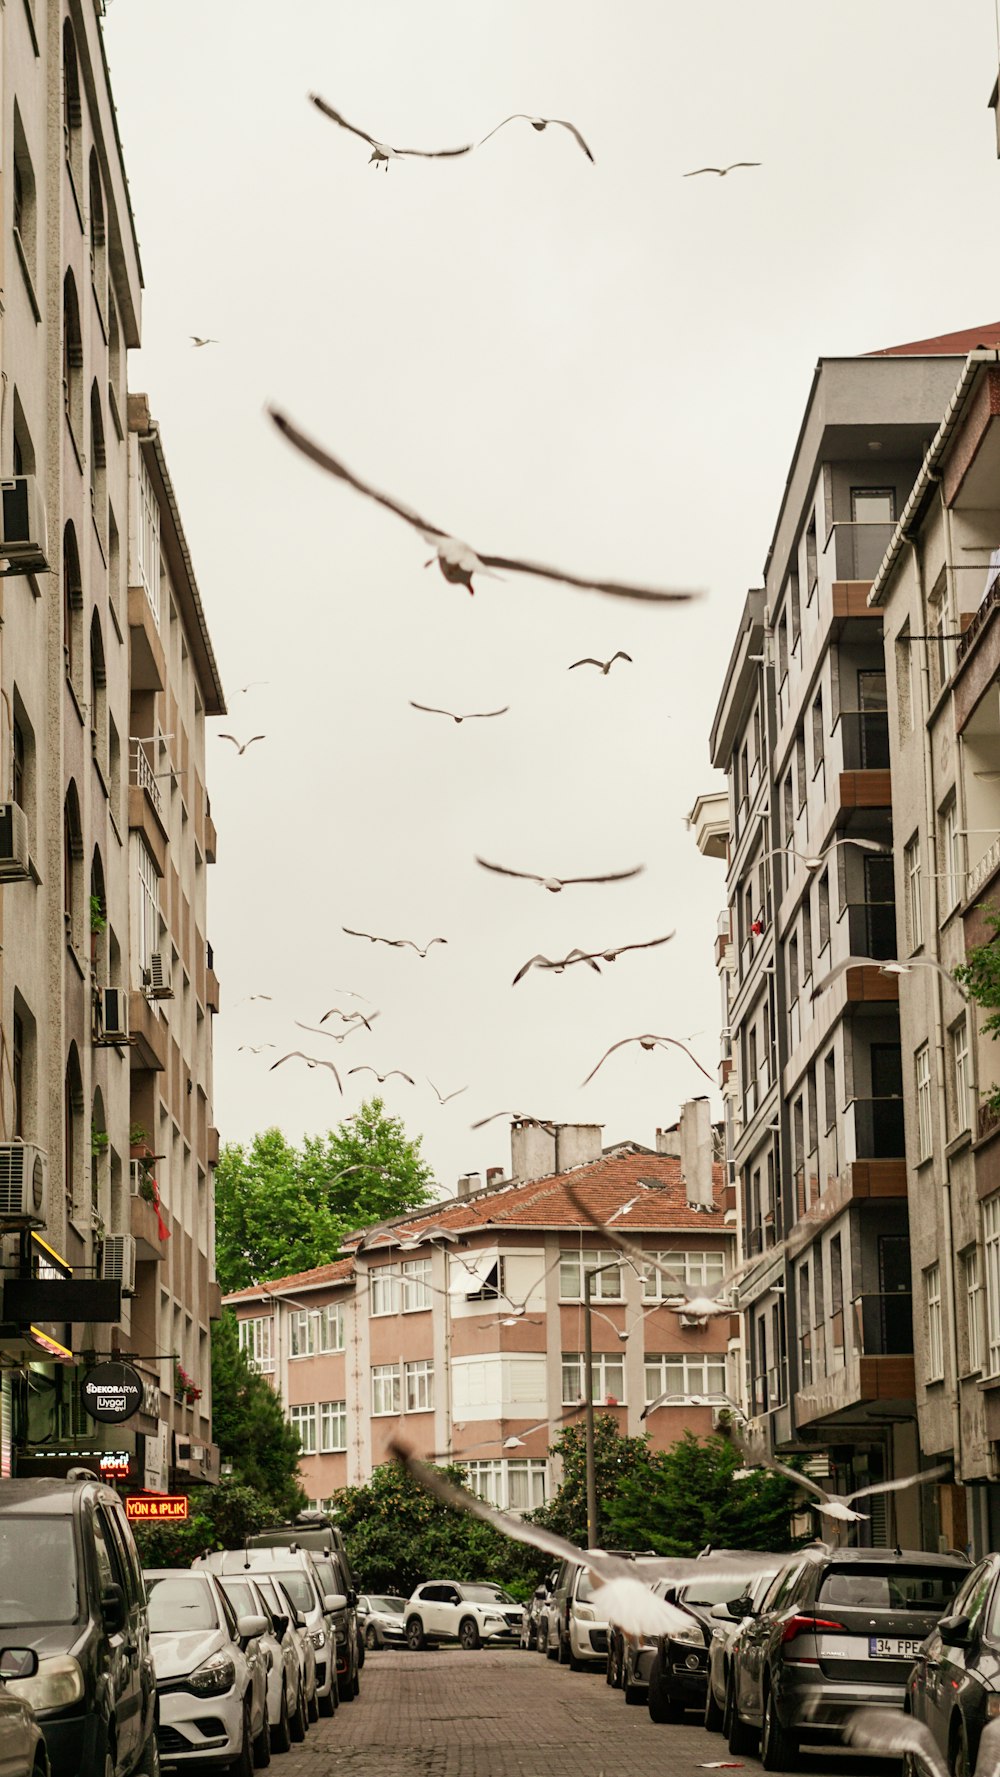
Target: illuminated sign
pixel 112 1392
pixel 115 1465
pixel 146 1508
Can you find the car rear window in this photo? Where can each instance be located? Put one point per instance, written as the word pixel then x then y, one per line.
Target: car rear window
pixel 299 1590
pixel 707 1592
pixel 37 1572
pixel 240 1597
pixel 891 1588
pixel 391 1607
pixel 179 1604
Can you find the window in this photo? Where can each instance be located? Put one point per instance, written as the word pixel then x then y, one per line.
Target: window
pixel 963 1082
pixel 25 203
pixel 684 1373
pixel 607 1285
pixel 303 1420
pixel 951 859
pixel 607 1379
pixel 255 1341
pixel 385 1289
pixel 98 696
pixel 805 1324
pixel 788 810
pixel 98 257
pixel 925 1136
pixel 517 1486
pixel 782 649
pixel 818 733
pixel 72 108
pixel 823 907
pixel 385 1389
pixel 800 768
pixel 148 934
pixel 837 1298
pixel 98 463
pixel 697 1268
pixel 72 591
pixel 807 938
pixel 17 1071
pixel 940 625
pixel 72 370
pixel 148 541
pixel 488 1277
pixel 72 868
pixel 416 1285
pixel 793 970
pixel 935 1331
pixel 332 1426
pixel 72 1132
pixel 973 1284
pixel 991 1251
pixel 331 1327
pixel 812 573
pixel 302 1333
pixel 794 616
pixel 418 1390
pixel 914 904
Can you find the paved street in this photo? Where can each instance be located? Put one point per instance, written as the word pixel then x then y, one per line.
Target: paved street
pixel 510 1714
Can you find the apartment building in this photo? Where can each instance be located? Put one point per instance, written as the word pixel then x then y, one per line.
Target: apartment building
pixel 938 590
pixel 462 1326
pixel 802 731
pixel 72 682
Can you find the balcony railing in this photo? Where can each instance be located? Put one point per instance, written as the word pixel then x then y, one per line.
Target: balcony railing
pixel 141 773
pixel 871 928
pixel 884 1324
pixel 878 1129
pixel 982 869
pixel 855 550
pixel 805 1359
pixel 865 740
pixel 979 620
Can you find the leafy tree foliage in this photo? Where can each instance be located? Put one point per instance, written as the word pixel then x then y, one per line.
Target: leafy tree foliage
pixel 615 1459
pixel 280 1209
pixel 980 976
pixel 680 1500
pixel 218 1518
pixel 250 1428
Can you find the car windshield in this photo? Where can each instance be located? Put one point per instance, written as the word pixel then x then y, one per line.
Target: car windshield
pixel 585 1588
pixel 897 1587
pixel 708 1592
pixel 276 1605
pixel 392 1607
pixel 299 1590
pixel 485 1595
pixel 176 1605
pixel 37 1572
pixel 240 1595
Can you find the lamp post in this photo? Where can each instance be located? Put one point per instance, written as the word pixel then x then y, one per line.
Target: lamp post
pixel 593 1519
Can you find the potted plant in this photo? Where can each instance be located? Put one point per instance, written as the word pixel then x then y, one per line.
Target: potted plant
pixel 185 1387
pixel 139 1148
pixel 98 924
pixel 99 1140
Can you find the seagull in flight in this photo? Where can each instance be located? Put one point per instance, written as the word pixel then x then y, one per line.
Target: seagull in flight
pixel 722 171
pixel 336 1036
pixel 310 1061
pixel 517 1117
pixel 885 966
pixel 555 883
pixel 456 560
pixel 394 943
pixel 241 749
pixel 470 716
pixel 346 1017
pixel 241 690
pixel 381 1078
pixel 891 1734
pixel 611 956
pixel 255 1048
pixel 692 1304
pixel 648 1042
pixel 816 862
pixel 253 996
pixel 197 341
pixel 381 152
pixel 446 1097
pixel 539 123
pixel 604 665
pixel 555 964
pixel 838 1505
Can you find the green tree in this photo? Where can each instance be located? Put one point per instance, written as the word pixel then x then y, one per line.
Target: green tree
pixel 615 1458
pixel 218 1518
pixel 250 1428
pixel 980 976
pixel 680 1500
pixel 280 1210
pixel 397 1536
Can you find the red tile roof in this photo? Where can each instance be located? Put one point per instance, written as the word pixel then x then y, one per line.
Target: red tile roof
pixel 944 345
pixel 341 1271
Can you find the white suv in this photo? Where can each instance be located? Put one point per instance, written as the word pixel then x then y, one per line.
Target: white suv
pixel 445 1610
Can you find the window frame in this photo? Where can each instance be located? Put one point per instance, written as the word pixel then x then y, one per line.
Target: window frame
pixel 332 1414
pixel 303 1413
pixel 385 1376
pixel 418 1385
pixel 602 1363
pixel 935 1323
pixel 689 1363
pixel 925 1112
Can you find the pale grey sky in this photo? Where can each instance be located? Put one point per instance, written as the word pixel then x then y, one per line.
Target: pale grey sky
pixel 603 367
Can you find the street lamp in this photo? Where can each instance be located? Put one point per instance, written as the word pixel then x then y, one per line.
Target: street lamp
pixel 593 1521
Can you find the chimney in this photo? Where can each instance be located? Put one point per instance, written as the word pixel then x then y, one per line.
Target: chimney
pixel 532 1150
pixel 668 1141
pixel 577 1144
pixel 468 1183
pixel 697 1152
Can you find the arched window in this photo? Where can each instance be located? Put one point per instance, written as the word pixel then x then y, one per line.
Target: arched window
pixel 72 608
pixel 98 256
pixel 98 1154
pixel 72 1133
pixel 73 868
pixel 25 201
pixel 98 463
pixel 72 109
pixel 24 450
pixel 72 359
pixel 98 916
pixel 98 697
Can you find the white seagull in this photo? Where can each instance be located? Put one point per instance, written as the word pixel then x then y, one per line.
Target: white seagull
pixel 555 964
pixel 648 1042
pixel 555 883
pixel 381 152
pixel 196 341
pixel 886 966
pixel 838 1505
pixel 816 862
pixel 394 943
pixel 539 123
pixel 446 1097
pixel 469 716
pixel 690 1304
pixel 891 1734
pixel 241 748
pixel 722 171
pixel 604 665
pixel 335 1036
pixel 310 1061
pixel 456 560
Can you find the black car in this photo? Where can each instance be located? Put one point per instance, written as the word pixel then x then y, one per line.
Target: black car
pixel 954 1686
pixel 73 1591
pixel 678 1672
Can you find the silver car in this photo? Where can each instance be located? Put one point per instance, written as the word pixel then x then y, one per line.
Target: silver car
pixel 298 1639
pixel 381 1618
pixel 727 1621
pixel 22 1747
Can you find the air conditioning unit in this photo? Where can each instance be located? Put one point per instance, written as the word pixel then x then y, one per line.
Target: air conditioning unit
pixel 156 979
pixel 112 1016
pixel 13 843
pixel 24 539
pixel 118 1261
pixel 182 1452
pixel 23 1183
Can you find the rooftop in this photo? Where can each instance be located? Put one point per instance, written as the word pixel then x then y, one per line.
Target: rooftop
pixel 944 345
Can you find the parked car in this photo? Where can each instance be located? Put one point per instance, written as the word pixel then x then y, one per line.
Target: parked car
pixel 22 1744
pixel 954 1684
pixel 836 1632
pixel 325 1543
pixel 574 1634
pixel 381 1618
pixel 443 1610
pixel 73 1593
pixel 533 1613
pixel 297 1572
pixel 678 1672
pixel 211 1681
pixel 281 1661
pixel 618 1642
pixel 296 1636
pixel 727 1619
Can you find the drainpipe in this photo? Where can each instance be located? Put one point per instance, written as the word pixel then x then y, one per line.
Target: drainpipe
pixel 930 816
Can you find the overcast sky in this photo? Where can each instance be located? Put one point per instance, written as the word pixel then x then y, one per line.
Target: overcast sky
pixel 603 367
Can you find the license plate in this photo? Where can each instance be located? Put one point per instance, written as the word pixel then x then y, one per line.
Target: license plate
pixel 882 1648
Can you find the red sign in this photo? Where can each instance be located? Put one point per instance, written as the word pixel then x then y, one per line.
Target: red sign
pixel 146 1508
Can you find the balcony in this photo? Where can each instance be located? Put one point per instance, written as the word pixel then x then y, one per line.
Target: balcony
pixel 854 551
pixel 144 1222
pixel 213 1147
pixel 878 1128
pixel 145 805
pixel 871 928
pixel 884 1324
pixel 864 740
pixel 212 990
pixel 147 662
pixel 148 1035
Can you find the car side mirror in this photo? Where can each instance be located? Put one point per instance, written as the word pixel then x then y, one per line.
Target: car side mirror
pixel 249 1627
pixel 352 1598
pixel 113 1612
pixel 954 1631
pixel 722 1612
pixel 334 1601
pixel 18 1662
pixel 280 1625
pixel 739 1607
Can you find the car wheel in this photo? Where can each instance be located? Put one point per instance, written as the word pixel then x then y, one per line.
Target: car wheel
pixel 262 1746
pixel 563 1655
pixel 713 1712
pixel 551 1653
pixel 312 1707
pixel 149 1758
pixel 661 1703
pixel 609 1667
pixel 371 1636
pixel 242 1764
pixel 415 1639
pixel 961 1763
pixel 361 1649
pixel 328 1704
pixel 741 1736
pixel 297 1725
pixel 468 1634
pixel 281 1739
pixel 779 1750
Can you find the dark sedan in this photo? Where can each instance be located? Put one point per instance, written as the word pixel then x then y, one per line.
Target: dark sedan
pixel 954 1686
pixel 678 1673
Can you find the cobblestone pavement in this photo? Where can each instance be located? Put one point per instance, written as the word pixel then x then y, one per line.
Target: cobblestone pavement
pixel 511 1714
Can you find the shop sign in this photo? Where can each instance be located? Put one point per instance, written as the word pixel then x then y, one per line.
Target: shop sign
pixel 112 1392
pixel 148 1508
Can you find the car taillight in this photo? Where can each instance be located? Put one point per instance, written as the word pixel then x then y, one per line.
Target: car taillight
pixel 810 1626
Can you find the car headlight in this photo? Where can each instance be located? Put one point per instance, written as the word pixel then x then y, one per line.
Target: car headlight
pixel 688 1637
pixel 55 1685
pixel 318 1637
pixel 491 1617
pixel 585 1613
pixel 215 1677
pixel 992 1705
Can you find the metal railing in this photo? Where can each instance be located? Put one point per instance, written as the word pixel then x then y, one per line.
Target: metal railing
pixel 857 548
pixel 878 1128
pixel 884 1324
pixel 982 869
pixel 141 773
pixel 979 621
pixel 871 928
pixel 864 739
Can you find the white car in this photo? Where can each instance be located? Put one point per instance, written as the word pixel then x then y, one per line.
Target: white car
pixel 469 1613
pixel 281 1661
pixel 296 1570
pixel 298 1641
pixel 210 1678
